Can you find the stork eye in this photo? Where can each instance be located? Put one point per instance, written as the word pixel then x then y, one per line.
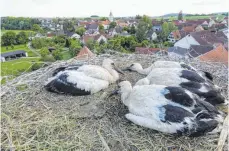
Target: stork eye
pixel 112 64
pixel 131 65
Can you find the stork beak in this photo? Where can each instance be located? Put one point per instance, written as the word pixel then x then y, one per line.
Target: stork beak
pixel 118 70
pixel 115 92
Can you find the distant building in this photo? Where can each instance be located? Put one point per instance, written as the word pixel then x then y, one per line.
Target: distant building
pixel 105 24
pixel 202 38
pixel 151 35
pixel 218 54
pixel 157 28
pixel 97 38
pixel 178 52
pixel 174 36
pixel 111 17
pixel 144 50
pixel 13 55
pixel 198 50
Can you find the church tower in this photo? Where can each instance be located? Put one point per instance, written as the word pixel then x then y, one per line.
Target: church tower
pixel 111 17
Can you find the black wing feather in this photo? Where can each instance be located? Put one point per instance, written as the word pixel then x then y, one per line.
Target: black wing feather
pixel 62 86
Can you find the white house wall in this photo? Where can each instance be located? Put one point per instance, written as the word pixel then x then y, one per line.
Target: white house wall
pixel 154 36
pixel 186 42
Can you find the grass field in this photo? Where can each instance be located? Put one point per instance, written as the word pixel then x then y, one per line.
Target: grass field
pixel 16 66
pixel 17 31
pixel 185 17
pixel 18 47
pixel 196 17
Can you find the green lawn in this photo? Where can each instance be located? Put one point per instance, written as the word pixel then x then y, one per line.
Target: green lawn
pixel 18 47
pixel 17 31
pixel 15 67
pixel 196 17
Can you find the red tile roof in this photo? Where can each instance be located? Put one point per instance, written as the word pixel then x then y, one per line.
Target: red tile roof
pixel 94 37
pixel 199 28
pixel 219 54
pixel 84 23
pixel 84 53
pixel 188 29
pixel 106 22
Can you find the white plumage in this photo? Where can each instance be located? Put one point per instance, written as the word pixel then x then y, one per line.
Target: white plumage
pixel 87 79
pixel 158 64
pixel 187 79
pixel 149 107
pixel 164 76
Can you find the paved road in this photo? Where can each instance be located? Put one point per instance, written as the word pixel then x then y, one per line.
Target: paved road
pixel 32 49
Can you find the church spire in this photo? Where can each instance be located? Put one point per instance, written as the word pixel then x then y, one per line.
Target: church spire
pixel 111 17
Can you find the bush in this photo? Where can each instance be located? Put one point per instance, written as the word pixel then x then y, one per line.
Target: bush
pixel 168 44
pixel 36 66
pixel 44 52
pixel 57 54
pixel 48 58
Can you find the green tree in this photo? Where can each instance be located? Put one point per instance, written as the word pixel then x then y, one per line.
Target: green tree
pixel 60 40
pixel 101 28
pixel 68 25
pixel 138 17
pixel 8 38
pixel 21 24
pixel 48 58
pixel 165 31
pixel 80 31
pixel 57 54
pixel 101 42
pixel 147 20
pixel 103 18
pixel 112 25
pixel 145 43
pixel 74 47
pixel 44 52
pixel 180 16
pixel 21 38
pixel 55 20
pixel 168 44
pixel 132 30
pixel 38 43
pixel 36 28
pixel 67 43
pixel 125 29
pixel 141 31
pixel 171 27
pixel 18 23
pixel 90 44
pixel 36 66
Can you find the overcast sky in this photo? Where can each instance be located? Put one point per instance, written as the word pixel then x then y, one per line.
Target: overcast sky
pixel 86 8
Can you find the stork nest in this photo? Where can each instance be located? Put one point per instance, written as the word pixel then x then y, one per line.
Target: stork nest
pixel 34 119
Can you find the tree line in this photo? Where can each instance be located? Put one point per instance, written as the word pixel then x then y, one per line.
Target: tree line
pixel 18 23
pixel 10 38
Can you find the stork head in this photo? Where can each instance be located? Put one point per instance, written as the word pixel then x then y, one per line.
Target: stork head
pixel 110 65
pixel 123 87
pixel 134 67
